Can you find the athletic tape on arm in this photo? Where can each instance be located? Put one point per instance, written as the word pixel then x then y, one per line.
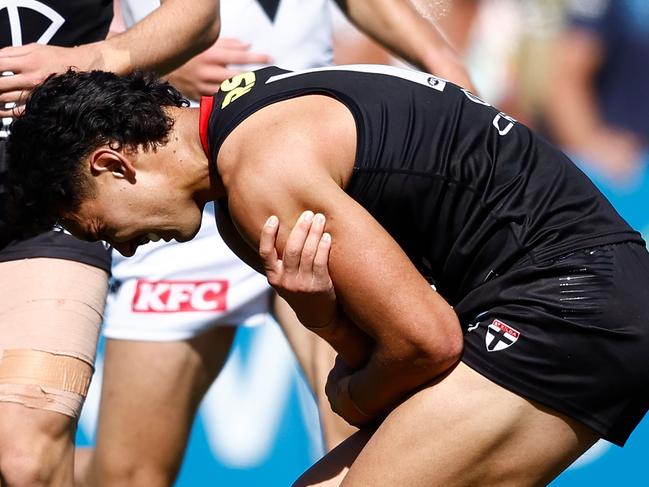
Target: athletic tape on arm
pixel 49 327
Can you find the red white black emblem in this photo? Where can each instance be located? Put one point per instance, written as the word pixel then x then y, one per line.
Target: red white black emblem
pixel 500 336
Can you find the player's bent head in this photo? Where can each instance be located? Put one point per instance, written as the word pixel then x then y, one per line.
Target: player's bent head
pixel 67 118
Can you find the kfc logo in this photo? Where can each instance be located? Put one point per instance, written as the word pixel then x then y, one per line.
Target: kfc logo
pixel 179 296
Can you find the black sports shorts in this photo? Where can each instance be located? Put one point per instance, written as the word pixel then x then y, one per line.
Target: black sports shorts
pixel 53 244
pixel 571 333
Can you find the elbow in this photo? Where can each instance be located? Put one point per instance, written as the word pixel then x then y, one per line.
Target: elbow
pixel 440 350
pixel 213 30
pixel 445 350
pixel 208 35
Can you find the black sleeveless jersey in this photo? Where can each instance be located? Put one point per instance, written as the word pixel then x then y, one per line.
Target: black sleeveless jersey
pixel 466 190
pixel 64 23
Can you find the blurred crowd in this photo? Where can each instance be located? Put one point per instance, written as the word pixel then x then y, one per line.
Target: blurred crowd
pixel 575 70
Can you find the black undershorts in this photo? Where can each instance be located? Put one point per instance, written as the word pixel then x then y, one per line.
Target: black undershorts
pixel 56 244
pixel 571 333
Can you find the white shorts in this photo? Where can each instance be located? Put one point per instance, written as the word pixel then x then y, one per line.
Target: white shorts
pixel 176 291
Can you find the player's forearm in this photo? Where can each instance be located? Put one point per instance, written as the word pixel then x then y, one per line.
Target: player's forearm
pixel 392 374
pixel 398 26
pixel 573 115
pixel 572 106
pixel 352 344
pixel 162 41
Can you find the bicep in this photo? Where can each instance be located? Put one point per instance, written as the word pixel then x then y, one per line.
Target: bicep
pixel 376 283
pixel 231 236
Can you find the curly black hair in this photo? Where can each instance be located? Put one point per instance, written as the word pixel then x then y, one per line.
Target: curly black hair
pixel 67 117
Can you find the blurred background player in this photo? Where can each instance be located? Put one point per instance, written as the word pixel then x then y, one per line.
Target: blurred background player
pixel 599 104
pixel 172 314
pixel 504 45
pixel 54 286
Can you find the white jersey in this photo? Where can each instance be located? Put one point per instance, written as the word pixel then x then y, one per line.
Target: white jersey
pixel 171 291
pixel 297 34
pixel 174 291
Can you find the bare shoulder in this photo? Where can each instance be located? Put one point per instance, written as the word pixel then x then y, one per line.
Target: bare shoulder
pixel 309 134
pixel 285 158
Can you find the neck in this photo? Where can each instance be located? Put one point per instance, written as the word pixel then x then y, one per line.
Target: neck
pixel 202 180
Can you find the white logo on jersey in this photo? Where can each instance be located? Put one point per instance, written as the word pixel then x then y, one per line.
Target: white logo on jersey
pixel 475 98
pixel 15 28
pixel 503 130
pixel 13 7
pixel 476 322
pixel 500 336
pixel 496 121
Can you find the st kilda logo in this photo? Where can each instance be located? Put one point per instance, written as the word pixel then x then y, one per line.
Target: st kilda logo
pixel 500 336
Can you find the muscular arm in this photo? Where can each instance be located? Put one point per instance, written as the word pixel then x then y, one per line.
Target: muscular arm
pixel 398 26
pixel 349 341
pixel 572 108
pixel 415 332
pixel 232 237
pixel 161 42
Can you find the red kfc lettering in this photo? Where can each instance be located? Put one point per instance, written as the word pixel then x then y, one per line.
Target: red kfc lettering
pixel 148 296
pixel 179 296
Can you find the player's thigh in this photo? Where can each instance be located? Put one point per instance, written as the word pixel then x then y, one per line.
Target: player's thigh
pixel 49 323
pixel 150 394
pixel 462 431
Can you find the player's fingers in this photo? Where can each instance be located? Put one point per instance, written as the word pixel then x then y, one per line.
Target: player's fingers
pixel 12 58
pixel 267 250
pixel 241 56
pixel 311 244
pixel 217 74
pixel 232 43
pixel 247 57
pixel 321 259
pixel 12 112
pixel 17 82
pixel 17 51
pixel 208 88
pixel 11 65
pixel 11 97
pixel 295 243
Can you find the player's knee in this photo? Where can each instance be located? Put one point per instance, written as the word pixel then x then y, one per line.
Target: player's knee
pixel 36 446
pixel 18 469
pixel 133 472
pixel 36 457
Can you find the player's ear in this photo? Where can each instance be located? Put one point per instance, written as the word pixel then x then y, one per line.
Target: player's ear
pixel 116 162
